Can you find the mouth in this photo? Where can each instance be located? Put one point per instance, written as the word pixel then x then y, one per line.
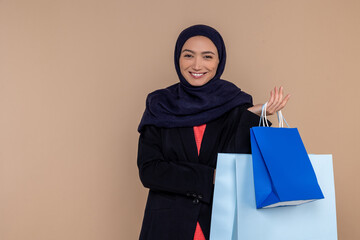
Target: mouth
pixel 197 75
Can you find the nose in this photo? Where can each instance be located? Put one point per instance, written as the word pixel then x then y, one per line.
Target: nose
pixel 197 64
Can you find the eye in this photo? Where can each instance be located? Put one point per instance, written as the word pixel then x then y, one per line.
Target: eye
pixel 187 55
pixel 208 57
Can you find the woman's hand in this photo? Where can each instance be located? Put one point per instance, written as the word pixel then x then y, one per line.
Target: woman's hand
pixel 275 103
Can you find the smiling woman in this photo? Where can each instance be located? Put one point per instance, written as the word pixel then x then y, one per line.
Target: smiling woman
pixel 183 129
pixel 199 60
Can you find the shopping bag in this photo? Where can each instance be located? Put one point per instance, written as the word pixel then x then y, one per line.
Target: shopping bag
pixel 235 216
pixel 283 174
pixel 223 216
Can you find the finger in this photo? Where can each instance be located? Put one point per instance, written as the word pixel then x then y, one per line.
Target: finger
pixel 286 99
pixel 284 102
pixel 280 98
pixel 272 107
pixel 276 96
pixel 271 100
pixel 281 93
pixel 270 103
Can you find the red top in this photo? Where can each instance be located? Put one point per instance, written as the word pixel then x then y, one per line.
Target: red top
pixel 199 133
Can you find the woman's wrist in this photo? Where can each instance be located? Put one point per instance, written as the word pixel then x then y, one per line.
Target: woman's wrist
pixel 256 109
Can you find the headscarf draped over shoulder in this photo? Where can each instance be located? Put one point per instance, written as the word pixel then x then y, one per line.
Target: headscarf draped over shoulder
pixel 184 105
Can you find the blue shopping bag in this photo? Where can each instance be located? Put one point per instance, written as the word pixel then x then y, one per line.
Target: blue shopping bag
pixel 283 174
pixel 235 216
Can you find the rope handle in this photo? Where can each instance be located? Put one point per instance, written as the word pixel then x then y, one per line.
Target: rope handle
pixel 263 118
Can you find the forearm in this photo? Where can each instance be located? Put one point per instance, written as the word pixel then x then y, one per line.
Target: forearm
pixel 256 109
pixel 172 175
pixel 180 178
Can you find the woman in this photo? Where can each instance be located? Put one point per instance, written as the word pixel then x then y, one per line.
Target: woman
pixel 183 128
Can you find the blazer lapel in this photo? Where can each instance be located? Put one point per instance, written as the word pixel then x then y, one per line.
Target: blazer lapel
pixel 210 143
pixel 188 140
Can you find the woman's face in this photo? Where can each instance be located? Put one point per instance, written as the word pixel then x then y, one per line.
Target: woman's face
pixel 198 60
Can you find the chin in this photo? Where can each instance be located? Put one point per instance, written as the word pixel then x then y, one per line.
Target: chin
pixel 200 84
pixel 197 83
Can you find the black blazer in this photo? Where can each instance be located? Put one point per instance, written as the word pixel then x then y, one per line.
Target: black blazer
pixel 180 182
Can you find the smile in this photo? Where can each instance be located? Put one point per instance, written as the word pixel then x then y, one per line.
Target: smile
pixel 197 75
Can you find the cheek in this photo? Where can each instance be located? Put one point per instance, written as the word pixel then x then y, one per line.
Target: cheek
pixel 214 66
pixel 182 65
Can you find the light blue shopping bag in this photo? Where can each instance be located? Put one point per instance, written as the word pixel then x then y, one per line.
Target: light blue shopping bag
pixel 235 216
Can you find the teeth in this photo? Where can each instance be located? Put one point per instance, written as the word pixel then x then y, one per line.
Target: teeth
pixel 197 74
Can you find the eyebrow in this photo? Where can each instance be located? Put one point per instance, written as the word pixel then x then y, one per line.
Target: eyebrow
pixel 206 52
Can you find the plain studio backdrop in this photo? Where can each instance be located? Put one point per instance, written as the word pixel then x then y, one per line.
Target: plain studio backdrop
pixel 74 76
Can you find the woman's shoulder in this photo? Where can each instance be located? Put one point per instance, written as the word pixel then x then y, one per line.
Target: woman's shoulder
pixel 163 91
pixel 239 110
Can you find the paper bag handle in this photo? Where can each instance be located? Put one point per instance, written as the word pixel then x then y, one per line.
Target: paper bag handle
pixel 263 118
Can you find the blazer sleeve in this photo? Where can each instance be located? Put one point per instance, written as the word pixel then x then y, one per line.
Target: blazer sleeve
pixel 248 120
pixel 157 173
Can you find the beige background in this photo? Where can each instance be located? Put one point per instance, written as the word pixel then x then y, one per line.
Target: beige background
pixel 74 76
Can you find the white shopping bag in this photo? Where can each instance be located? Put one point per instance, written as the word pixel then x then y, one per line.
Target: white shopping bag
pixel 235 217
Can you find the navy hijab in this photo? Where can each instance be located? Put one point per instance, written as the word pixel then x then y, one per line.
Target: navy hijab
pixel 184 105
